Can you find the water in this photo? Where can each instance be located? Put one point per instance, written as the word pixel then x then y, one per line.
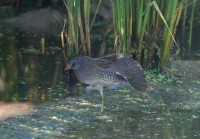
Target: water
pixel 32 67
pixel 154 126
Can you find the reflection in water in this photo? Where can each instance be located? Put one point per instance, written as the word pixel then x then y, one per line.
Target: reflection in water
pixel 2 85
pixel 167 125
pixel 32 68
pixel 28 66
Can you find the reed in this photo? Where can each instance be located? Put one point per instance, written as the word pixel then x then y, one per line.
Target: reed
pixel 87 25
pixel 173 13
pixel 136 20
pixel 72 31
pixel 191 24
pixel 144 28
pixel 122 22
pixel 77 29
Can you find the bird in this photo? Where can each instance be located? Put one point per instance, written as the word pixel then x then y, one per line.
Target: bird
pixel 108 70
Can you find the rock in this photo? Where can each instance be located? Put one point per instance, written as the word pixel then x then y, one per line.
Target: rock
pixel 43 21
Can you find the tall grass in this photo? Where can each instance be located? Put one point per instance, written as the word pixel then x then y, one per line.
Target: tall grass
pixel 135 21
pixel 76 34
pixel 143 28
pixel 72 31
pixel 87 24
pixel 186 39
pixel 172 15
pixel 122 20
pixel 191 24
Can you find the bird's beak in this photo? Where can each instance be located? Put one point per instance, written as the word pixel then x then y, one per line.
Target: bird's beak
pixel 68 67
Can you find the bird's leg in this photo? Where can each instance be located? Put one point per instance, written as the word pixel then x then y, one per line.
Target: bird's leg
pixel 102 102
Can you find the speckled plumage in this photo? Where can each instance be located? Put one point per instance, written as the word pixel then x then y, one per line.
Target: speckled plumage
pixel 108 70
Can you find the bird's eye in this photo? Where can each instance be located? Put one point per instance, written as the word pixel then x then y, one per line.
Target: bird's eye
pixel 75 65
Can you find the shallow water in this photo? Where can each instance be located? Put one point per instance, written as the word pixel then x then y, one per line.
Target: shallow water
pixel 32 67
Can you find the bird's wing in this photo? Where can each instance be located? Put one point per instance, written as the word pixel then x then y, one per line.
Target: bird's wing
pixel 107 61
pixel 132 72
pixel 126 68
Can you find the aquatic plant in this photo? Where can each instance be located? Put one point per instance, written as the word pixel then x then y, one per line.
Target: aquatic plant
pixel 143 28
pixel 77 29
pixel 139 23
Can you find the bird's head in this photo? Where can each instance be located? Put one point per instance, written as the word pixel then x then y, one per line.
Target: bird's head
pixel 75 64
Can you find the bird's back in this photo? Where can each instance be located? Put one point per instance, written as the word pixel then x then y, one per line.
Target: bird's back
pixel 111 69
